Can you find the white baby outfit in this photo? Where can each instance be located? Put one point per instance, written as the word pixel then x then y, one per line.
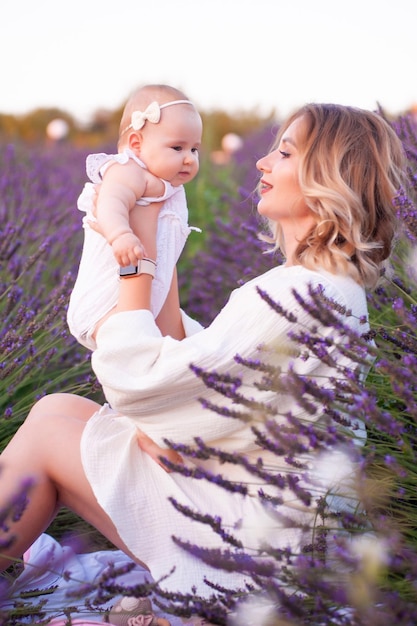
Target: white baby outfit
pixel 148 384
pixel 96 288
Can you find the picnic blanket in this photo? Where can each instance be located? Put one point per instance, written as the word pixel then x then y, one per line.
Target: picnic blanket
pixel 53 572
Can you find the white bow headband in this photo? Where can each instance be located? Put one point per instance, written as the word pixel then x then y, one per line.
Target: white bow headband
pixel 152 114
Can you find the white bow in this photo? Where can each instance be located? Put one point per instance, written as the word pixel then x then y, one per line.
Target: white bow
pixel 152 113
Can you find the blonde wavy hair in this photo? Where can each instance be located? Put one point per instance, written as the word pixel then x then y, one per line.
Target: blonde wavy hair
pixel 351 167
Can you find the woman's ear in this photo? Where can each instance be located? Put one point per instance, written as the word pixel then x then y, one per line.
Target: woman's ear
pixel 135 142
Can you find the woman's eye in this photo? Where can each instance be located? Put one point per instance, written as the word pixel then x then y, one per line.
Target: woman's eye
pixel 285 155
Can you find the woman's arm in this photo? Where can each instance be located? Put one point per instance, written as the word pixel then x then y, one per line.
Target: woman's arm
pixel 169 320
pixel 143 371
pixel 135 291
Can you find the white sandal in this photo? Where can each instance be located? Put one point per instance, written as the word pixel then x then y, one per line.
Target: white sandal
pixel 131 611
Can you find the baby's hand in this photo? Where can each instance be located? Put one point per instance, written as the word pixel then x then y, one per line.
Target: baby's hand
pixel 127 249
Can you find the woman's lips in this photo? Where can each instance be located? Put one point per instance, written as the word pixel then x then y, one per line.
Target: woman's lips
pixel 264 186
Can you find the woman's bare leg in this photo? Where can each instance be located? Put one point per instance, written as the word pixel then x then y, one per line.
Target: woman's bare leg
pixel 46 450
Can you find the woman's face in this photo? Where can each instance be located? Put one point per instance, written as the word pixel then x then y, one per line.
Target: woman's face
pixel 281 199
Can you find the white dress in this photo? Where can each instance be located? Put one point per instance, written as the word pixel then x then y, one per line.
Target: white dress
pixel 96 288
pixel 148 382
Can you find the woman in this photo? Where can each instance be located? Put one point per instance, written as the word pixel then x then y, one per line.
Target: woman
pixel 326 188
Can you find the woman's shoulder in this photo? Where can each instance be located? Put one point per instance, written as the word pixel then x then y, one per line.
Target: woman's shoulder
pixel 283 281
pixel 283 275
pixel 300 275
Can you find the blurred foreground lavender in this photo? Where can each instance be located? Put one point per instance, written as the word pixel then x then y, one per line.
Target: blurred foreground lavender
pixel 361 567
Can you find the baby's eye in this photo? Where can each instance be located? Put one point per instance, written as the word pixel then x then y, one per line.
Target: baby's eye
pixel 194 150
pixel 177 148
pixel 285 155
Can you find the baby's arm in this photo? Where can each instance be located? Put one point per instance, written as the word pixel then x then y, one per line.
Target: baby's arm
pixel 122 186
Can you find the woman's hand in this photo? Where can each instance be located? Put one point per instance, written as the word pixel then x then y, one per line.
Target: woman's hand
pixel 146 444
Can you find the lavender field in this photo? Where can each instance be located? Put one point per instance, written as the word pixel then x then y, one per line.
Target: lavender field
pixel 370 574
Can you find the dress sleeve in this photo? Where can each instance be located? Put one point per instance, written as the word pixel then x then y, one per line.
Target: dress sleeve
pixel 142 371
pixel 95 163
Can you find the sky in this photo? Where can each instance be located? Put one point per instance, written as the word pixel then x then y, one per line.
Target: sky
pixel 82 56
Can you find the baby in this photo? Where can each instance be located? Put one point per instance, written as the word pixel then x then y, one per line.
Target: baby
pixel 158 152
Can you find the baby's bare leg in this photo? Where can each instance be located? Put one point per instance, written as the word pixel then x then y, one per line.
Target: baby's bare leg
pixel 46 450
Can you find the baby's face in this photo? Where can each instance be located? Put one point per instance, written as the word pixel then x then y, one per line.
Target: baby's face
pixel 170 149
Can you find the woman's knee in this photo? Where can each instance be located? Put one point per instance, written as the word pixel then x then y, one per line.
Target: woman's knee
pixel 44 404
pixel 62 405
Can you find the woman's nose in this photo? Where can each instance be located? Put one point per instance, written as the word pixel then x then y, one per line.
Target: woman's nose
pixel 261 164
